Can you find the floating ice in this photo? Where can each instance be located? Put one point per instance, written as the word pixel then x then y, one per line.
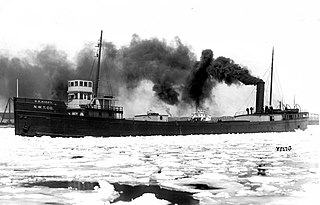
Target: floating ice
pixel 145 199
pixel 107 192
pixel 214 168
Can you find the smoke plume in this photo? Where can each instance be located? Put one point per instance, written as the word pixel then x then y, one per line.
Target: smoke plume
pixel 198 85
pixel 177 78
pixel 42 74
pixel 209 72
pixel 165 66
pixel 225 70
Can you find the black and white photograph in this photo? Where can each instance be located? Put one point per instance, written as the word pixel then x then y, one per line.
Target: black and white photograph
pixel 181 102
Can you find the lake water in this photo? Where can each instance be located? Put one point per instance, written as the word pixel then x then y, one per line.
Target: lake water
pixel 194 169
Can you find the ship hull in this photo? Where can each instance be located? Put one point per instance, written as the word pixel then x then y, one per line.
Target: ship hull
pixel 42 117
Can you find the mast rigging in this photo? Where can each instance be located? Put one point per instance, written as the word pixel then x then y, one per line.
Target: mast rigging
pixel 270 102
pixel 98 67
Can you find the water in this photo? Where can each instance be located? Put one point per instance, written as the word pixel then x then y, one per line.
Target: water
pixel 195 169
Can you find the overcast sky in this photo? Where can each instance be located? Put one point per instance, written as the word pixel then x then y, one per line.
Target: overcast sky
pixel 244 31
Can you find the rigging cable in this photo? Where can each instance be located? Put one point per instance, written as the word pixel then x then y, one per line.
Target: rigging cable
pixel 249 98
pixel 267 84
pixel 91 77
pixel 278 83
pixel 109 87
pixel 247 101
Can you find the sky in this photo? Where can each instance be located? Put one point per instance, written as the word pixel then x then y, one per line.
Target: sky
pixel 243 30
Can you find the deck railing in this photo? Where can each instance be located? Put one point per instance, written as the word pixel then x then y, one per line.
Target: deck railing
pixel 111 108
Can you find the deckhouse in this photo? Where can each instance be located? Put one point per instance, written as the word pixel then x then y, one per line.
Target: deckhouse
pixel 80 93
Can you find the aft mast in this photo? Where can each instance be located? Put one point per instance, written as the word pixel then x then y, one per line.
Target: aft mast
pixel 98 67
pixel 270 102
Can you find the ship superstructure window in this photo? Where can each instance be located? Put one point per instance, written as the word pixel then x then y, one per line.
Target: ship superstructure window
pixel 71 97
pixel 79 93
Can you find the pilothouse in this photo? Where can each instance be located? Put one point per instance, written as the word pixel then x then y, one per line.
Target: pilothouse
pixel 80 93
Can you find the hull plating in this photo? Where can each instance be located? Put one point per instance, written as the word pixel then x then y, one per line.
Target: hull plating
pixel 32 122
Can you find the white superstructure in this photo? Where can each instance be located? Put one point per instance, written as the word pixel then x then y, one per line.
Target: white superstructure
pixel 152 116
pixel 200 115
pixel 80 92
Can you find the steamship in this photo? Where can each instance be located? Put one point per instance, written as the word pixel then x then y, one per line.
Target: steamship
pixel 88 114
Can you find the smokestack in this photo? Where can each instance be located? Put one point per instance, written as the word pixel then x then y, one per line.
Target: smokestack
pixel 260 97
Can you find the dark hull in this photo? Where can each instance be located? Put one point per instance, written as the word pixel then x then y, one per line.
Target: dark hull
pixel 38 119
pixel 313 123
pixel 313 120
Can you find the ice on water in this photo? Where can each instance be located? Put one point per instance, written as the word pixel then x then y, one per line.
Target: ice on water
pixel 216 169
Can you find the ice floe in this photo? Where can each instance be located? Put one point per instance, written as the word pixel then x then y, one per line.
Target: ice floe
pixel 214 169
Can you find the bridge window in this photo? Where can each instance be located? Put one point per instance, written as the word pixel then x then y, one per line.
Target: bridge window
pixel 76 83
pixel 85 84
pixel 76 96
pixel 81 83
pixel 72 83
pixel 81 96
pixel 90 84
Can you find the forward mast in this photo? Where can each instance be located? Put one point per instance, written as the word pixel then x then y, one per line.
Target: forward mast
pixel 96 83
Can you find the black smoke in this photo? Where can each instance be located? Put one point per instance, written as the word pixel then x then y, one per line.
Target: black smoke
pixel 172 68
pixel 41 74
pixel 198 85
pixel 166 66
pixel 209 71
pixel 225 70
